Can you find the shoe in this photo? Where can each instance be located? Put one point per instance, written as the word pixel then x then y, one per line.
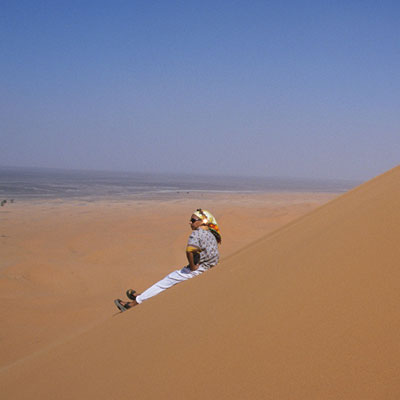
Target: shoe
pixel 121 307
pixel 130 293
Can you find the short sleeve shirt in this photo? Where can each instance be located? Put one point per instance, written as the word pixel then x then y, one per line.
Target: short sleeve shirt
pixel 206 242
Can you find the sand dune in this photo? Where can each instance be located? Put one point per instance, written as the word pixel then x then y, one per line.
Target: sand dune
pixel 309 311
pixel 62 261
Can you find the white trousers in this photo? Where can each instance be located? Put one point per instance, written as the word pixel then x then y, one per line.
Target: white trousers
pixel 180 275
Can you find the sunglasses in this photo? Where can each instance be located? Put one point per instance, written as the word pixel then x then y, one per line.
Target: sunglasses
pixel 193 220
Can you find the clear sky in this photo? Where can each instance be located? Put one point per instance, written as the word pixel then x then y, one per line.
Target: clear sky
pixel 264 88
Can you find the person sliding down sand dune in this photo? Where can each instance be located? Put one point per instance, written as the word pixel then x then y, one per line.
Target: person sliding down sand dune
pixel 201 252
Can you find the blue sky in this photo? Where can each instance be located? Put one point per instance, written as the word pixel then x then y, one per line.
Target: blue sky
pixel 288 88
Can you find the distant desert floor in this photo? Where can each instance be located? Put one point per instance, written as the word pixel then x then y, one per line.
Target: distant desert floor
pixel 64 261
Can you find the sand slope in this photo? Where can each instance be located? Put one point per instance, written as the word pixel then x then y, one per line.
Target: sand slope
pixel 62 261
pixel 307 312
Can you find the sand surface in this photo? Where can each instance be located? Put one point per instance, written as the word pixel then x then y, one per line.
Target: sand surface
pixel 63 262
pixel 306 311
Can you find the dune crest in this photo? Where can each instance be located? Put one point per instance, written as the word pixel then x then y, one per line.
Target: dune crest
pixel 307 312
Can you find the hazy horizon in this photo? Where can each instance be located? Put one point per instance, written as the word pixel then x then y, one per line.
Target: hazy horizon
pixel 48 183
pixel 262 89
pixel 172 173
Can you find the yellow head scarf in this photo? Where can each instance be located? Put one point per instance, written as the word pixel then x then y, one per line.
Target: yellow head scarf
pixel 209 220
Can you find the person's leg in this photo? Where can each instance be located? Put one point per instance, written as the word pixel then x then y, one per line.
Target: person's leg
pixel 170 280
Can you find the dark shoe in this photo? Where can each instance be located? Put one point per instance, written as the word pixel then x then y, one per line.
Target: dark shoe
pixel 121 307
pixel 130 293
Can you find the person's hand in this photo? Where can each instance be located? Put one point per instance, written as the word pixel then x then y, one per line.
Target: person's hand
pixel 194 267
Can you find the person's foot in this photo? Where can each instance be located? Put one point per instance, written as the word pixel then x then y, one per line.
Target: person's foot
pixel 129 304
pixel 124 305
pixel 120 305
pixel 131 294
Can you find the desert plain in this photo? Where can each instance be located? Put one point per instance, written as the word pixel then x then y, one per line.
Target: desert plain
pixel 303 305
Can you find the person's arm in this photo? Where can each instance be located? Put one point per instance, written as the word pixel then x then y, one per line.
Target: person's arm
pixel 190 252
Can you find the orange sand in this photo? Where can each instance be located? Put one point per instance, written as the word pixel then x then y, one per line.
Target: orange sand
pixel 309 311
pixel 67 261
